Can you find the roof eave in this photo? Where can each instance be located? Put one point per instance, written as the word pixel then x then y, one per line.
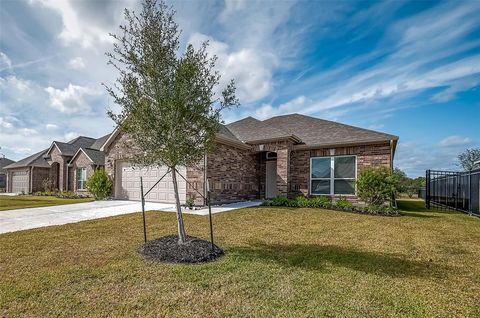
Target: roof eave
pixel 340 144
pixel 228 141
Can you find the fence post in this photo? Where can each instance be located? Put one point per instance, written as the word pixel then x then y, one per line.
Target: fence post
pixel 427 189
pixel 470 205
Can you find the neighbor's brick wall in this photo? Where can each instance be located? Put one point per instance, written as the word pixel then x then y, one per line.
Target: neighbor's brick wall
pixel 81 161
pixel 55 156
pixel 38 175
pixel 367 156
pixel 232 174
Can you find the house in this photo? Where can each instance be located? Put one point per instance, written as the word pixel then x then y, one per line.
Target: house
pixel 3 173
pixel 285 155
pixel 64 166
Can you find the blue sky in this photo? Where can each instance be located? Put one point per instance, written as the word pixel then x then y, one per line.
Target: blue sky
pixel 407 68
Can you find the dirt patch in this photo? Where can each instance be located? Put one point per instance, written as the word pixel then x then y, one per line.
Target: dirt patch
pixel 167 249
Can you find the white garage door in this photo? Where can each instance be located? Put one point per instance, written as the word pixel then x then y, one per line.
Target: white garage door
pixel 128 183
pixel 20 181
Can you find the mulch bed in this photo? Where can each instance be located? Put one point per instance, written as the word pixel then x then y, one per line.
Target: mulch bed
pixel 167 249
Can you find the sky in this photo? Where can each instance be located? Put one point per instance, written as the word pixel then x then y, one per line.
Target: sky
pixel 411 69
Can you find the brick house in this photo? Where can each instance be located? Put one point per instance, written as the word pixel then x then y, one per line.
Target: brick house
pixel 285 155
pixel 66 165
pixel 3 173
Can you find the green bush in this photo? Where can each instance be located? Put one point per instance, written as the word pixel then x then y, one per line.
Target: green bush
pixel 99 184
pixel 344 204
pixel 320 202
pixel 302 202
pixel 375 186
pixel 325 202
pixel 67 195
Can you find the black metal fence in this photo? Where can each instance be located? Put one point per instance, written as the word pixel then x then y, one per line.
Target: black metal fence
pixel 453 190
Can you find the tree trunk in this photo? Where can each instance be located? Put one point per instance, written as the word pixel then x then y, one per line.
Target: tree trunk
pixel 182 235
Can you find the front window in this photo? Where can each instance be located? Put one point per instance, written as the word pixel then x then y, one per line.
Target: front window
pixel 333 175
pixel 81 178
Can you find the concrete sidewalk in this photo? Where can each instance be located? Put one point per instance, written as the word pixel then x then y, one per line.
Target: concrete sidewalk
pixel 29 218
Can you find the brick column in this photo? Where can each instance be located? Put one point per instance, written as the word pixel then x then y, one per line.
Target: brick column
pixel 283 171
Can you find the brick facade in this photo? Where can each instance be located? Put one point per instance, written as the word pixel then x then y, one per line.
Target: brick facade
pixel 237 174
pixel 367 156
pixel 81 161
pixel 232 173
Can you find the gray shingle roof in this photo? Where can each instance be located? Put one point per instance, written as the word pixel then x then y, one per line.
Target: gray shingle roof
pixel 5 162
pixel 250 129
pixel 310 130
pixel 35 160
pixel 97 156
pixel 67 149
pixel 315 131
pixel 99 142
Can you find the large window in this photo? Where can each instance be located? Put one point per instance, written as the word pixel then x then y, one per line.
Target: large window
pixel 81 178
pixel 333 175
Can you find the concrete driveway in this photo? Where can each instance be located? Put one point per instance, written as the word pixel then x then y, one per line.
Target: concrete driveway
pixel 24 219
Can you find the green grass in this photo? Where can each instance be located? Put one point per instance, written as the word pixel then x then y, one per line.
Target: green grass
pixel 279 262
pixel 32 201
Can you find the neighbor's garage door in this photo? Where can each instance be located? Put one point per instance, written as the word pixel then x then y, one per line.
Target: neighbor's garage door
pixel 128 183
pixel 20 181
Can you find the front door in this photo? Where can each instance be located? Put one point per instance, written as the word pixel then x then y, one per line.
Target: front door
pixel 271 179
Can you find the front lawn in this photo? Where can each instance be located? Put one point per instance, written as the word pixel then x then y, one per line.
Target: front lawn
pixel 32 201
pixel 279 262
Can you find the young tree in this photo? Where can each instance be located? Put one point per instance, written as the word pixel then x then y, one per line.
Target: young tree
pixel 168 103
pixel 468 158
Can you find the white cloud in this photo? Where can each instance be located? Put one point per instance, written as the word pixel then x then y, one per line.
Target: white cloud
pixel 5 62
pixel 77 28
pixel 51 126
pixel 72 99
pixel 27 132
pixel 292 106
pixel 15 83
pixel 76 63
pixel 250 69
pixel 455 141
pixel 71 135
pixel 5 124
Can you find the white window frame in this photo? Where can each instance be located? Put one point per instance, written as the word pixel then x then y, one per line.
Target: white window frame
pixel 332 176
pixel 83 180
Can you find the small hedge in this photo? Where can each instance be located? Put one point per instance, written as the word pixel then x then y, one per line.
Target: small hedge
pixel 60 194
pixel 342 204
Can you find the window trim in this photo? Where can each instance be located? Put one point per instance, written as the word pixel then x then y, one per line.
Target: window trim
pixel 332 176
pixel 82 181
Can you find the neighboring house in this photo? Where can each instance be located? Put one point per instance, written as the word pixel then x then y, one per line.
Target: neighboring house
pixel 65 165
pixel 285 155
pixel 3 173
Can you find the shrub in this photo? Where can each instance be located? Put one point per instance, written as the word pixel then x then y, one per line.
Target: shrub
pixel 302 202
pixel 320 202
pixel 344 204
pixel 280 201
pixel 375 186
pixel 67 195
pixel 47 185
pixel 99 184
pixel 190 203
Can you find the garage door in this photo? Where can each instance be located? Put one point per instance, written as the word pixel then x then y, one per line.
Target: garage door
pixel 20 181
pixel 128 183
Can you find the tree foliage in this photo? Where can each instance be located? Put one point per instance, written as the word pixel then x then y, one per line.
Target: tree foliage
pixel 99 184
pixel 376 185
pixel 169 105
pixel 468 158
